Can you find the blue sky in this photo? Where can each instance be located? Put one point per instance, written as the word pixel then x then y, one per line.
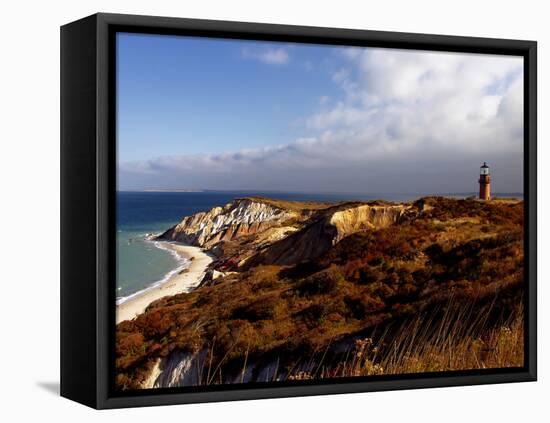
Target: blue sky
pixel 196 113
pixel 183 95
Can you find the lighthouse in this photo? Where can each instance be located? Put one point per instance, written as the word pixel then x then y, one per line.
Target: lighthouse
pixel 484 182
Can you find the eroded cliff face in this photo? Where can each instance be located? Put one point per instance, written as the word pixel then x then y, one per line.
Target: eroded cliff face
pixel 248 232
pixel 177 369
pixel 361 218
pixel 180 368
pixel 236 219
pixel 188 369
pixel 328 228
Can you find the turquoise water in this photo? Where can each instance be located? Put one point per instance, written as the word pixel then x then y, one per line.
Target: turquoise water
pixel 142 263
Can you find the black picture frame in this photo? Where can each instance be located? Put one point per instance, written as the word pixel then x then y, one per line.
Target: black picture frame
pixel 88 150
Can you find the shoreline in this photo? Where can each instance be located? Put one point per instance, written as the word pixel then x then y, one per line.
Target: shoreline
pixel 183 281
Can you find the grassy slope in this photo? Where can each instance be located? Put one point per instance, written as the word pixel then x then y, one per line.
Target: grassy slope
pixel 304 206
pixel 461 255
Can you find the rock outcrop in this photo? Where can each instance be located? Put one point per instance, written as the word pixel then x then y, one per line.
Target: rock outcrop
pixel 236 219
pixel 361 218
pixel 328 228
pixel 252 231
pixel 177 369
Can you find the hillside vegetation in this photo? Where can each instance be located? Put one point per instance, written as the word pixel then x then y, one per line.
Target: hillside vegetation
pixel 438 285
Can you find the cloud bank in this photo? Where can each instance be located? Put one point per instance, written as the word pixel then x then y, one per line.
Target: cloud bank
pixel 269 56
pixel 406 121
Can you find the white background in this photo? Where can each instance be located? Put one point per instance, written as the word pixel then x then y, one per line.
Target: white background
pixel 29 166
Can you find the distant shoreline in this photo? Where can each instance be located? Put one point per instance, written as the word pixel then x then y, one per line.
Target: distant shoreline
pixel 350 194
pixel 164 190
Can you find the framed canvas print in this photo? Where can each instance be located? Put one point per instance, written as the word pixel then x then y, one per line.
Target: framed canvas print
pixel 255 211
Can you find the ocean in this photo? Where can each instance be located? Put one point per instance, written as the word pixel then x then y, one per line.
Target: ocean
pixel 142 263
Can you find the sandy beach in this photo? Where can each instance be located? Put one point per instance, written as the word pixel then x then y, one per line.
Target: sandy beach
pixel 180 282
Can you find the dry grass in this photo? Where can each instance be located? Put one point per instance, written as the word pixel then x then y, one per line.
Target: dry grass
pixel 457 338
pixel 290 205
pixel 461 340
pixel 299 206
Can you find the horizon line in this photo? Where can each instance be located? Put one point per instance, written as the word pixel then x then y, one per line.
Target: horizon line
pixel 311 192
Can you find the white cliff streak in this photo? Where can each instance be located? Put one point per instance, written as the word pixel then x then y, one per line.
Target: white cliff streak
pixel 240 217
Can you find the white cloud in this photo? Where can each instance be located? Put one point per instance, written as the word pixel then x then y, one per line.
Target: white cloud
pixel 406 120
pixel 324 99
pixel 340 75
pixel 406 98
pixel 270 56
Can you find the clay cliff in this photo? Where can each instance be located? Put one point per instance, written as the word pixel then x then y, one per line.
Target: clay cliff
pixel 252 231
pixel 238 218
